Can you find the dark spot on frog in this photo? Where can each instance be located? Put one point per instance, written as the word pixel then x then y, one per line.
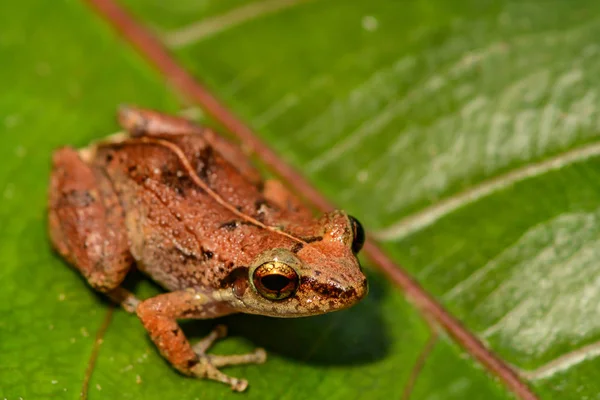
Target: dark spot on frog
pixel 176 180
pixel 208 254
pixel 311 239
pixel 259 204
pixel 263 209
pixel 262 206
pixel 186 257
pixel 238 273
pixel 79 198
pixel 109 157
pixel 230 225
pixel 204 159
pixel 297 247
pixel 136 175
pixel 326 289
pixel 233 224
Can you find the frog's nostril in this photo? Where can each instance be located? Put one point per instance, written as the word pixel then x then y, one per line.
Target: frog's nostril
pixel 360 289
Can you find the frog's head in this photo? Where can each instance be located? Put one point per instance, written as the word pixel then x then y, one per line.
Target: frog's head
pixel 315 275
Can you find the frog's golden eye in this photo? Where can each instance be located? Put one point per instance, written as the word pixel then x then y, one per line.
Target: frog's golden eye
pixel 358 234
pixel 275 280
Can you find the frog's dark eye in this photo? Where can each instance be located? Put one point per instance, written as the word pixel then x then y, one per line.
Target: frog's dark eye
pixel 275 280
pixel 358 234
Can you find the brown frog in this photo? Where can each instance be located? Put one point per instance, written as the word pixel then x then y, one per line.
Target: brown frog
pixel 187 207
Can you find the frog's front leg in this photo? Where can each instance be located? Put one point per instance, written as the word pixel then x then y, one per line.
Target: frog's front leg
pixel 159 316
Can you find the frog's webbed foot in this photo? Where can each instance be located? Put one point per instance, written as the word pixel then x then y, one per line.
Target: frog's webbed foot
pixel 208 364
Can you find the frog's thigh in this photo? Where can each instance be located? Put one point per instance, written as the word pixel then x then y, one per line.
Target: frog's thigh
pixel 142 122
pixel 86 221
pixel 276 192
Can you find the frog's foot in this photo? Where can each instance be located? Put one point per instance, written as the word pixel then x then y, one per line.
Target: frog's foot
pixel 208 364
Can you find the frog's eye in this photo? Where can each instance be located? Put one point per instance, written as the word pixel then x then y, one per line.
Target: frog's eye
pixel 358 234
pixel 275 280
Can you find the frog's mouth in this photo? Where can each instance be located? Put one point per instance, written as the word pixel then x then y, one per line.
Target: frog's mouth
pixel 335 291
pixel 314 297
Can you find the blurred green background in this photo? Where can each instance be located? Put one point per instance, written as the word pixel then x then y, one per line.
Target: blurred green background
pixel 461 133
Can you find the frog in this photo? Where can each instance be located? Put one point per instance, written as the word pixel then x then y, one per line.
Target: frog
pixel 189 209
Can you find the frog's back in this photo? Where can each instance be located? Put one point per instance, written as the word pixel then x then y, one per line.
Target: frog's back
pixel 180 233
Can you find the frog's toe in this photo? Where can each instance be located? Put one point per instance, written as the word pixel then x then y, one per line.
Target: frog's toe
pixel 219 332
pixel 239 385
pixel 258 356
pixel 207 369
pixel 208 364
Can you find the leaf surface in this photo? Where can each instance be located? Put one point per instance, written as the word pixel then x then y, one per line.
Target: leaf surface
pixel 391 111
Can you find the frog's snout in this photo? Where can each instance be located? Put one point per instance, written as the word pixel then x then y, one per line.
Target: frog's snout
pixel 339 295
pixel 364 289
pixel 354 293
pixel 358 291
pixel 357 283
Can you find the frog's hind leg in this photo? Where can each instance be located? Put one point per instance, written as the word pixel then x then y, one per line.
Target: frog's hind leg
pixel 159 315
pixel 86 225
pixel 142 122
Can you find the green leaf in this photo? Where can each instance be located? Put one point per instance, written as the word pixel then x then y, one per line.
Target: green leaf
pixel 389 108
